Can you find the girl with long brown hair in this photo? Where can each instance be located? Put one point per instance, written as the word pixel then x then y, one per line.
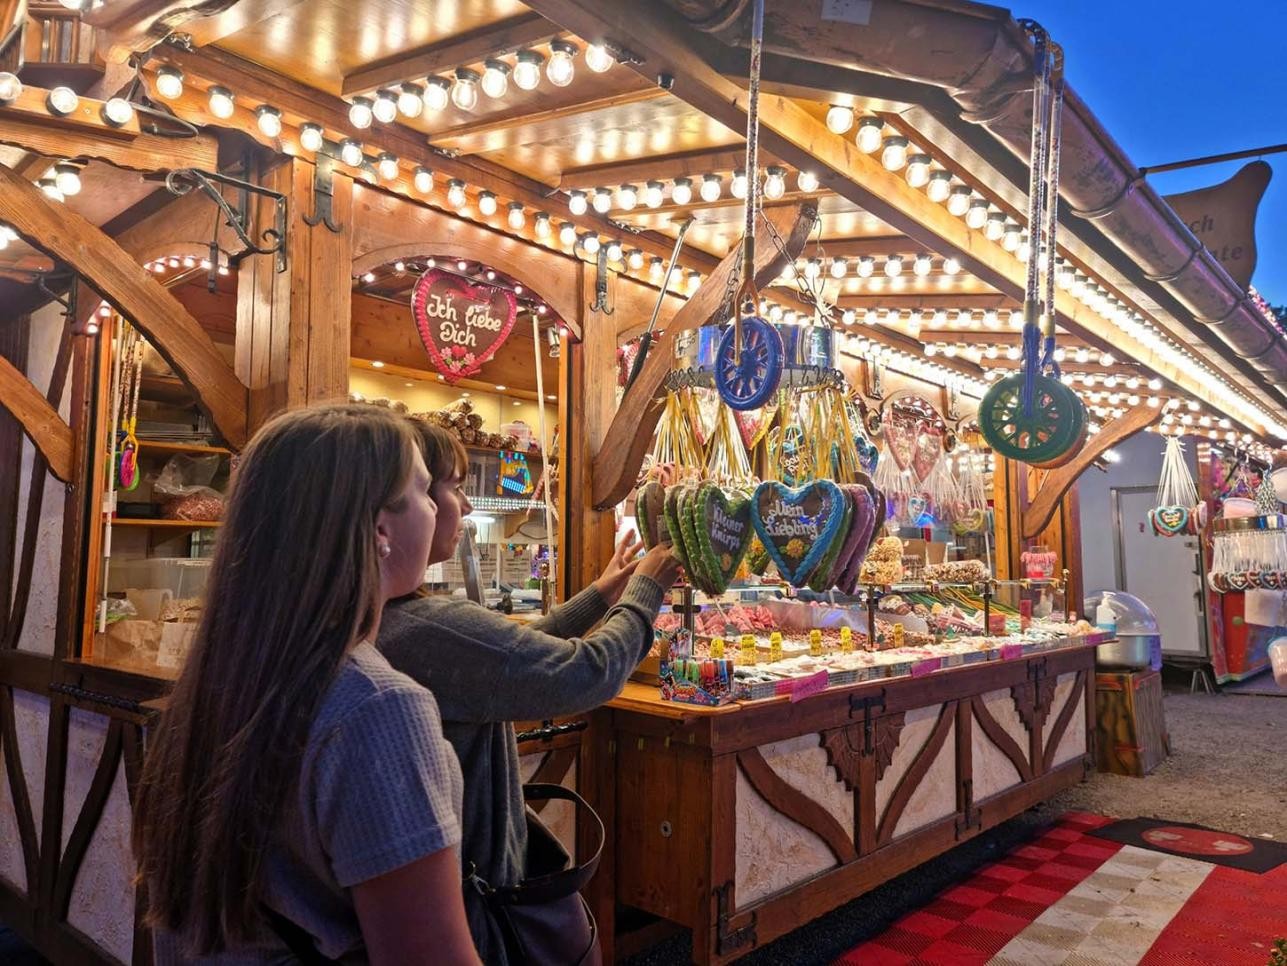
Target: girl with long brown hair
pixel 487 672
pixel 298 796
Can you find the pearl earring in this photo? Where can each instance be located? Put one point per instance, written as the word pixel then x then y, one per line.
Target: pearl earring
pixel 384 550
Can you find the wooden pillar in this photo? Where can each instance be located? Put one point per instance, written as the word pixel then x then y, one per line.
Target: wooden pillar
pixel 293 326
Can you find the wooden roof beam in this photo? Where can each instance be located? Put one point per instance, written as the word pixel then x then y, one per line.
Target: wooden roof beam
pixel 664 44
pixel 689 164
pixel 502 37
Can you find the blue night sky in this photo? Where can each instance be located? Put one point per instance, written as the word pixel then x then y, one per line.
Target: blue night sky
pixel 1179 79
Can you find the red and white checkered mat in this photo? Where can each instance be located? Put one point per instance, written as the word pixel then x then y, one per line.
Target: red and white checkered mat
pixel 1071 898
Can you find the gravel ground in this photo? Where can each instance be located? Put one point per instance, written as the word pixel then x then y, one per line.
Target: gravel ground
pixel 1228 770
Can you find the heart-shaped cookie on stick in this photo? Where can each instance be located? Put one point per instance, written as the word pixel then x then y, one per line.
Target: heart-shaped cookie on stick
pixel 797 525
pixel 650 513
pixel 723 529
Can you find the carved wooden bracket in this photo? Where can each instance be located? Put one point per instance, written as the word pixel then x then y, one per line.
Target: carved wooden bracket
pixel 1033 697
pixel 39 420
pixel 616 466
pixel 1058 481
pixel 796 805
pixel 136 294
pixel 875 737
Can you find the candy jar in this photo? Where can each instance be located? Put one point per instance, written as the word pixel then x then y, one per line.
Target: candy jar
pixel 1038 562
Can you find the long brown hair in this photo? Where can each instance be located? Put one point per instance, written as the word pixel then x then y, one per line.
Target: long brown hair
pixel 295 581
pixel 445 455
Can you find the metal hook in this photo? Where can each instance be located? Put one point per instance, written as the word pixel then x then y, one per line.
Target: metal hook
pixel 600 303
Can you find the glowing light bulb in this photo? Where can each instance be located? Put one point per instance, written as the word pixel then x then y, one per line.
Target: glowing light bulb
pixel 411 100
pixel 464 93
pixel 775 182
pixel 268 120
pixel 615 253
pixel 995 228
pixel 456 193
pixel 169 83
pixel 693 282
pixel 839 267
pixel 840 118
pixel 486 203
pixel 711 185
pixel 602 200
pixel 437 93
pixel 598 58
pixel 634 260
pixel 516 218
pixel 654 194
pixel 951 266
pixel 893 153
pixel 49 188
pixel 67 178
pixel 682 192
pixel 813 268
pixel 423 179
pixel 893 266
pixel 738 185
pixel 990 319
pixel 118 112
pixel 62 101
pixel 870 130
pixel 656 269
pixel 495 82
pixel 939 190
pixel 385 107
pixel 922 265
pixel 310 137
pixel 848 317
pixel 866 266
pixel 527 69
pixel 590 243
pixel 918 170
pixel 360 113
pixel 560 67
pixel 542 225
pixel 976 216
pixel 627 197
pixel 807 181
pixel 1011 237
pixel 351 152
pixel 577 203
pixel 567 233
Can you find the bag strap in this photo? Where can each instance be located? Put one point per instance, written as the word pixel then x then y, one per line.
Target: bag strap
pixel 297 939
pixel 556 885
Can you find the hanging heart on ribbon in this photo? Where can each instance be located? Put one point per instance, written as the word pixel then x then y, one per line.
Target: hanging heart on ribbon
pixel 461 325
pixel 821 578
pixel 858 532
pixel 650 513
pixel 865 524
pixel 927 452
pixel 1167 521
pixel 706 405
pixel 754 424
pixel 674 496
pixel 900 439
pixel 797 525
pixel 724 532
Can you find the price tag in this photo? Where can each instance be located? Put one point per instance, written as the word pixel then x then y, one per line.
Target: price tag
pixel 929 666
pixel 717 647
pixel 775 646
pixel 815 643
pixel 846 639
pixel 748 649
pixel 801 688
pixel 1011 652
pixel 899 634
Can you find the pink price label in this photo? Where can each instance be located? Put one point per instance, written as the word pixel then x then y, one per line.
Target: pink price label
pixel 802 688
pixel 922 668
pixel 1011 652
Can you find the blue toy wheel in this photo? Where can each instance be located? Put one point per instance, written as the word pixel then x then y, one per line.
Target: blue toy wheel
pixel 752 379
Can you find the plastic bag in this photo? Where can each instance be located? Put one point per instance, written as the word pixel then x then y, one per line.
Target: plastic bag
pixel 183 486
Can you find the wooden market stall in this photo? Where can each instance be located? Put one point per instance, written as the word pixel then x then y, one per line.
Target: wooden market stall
pixel 207 217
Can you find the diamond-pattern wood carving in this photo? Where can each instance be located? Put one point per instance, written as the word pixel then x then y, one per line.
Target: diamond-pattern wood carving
pixel 847 746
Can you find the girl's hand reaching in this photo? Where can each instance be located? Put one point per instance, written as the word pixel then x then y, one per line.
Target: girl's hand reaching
pixel 612 582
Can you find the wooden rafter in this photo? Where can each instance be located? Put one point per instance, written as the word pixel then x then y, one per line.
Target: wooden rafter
pixel 136 294
pixel 502 37
pixel 617 463
pixel 686 165
pixel 664 43
pixel 39 420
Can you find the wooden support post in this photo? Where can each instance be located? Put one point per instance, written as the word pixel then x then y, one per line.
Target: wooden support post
pixel 292 344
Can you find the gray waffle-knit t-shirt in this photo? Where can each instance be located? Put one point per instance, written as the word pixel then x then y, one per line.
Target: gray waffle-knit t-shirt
pixel 379 787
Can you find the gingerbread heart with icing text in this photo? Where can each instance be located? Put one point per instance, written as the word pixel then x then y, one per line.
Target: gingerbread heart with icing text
pixel 1167 521
pixel 724 532
pixel 461 325
pixel 797 525
pixel 650 513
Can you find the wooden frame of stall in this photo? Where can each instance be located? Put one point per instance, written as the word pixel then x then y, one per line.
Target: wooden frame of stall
pixel 295 334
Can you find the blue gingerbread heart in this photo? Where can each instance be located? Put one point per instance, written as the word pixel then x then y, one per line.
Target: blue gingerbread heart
pixel 797 525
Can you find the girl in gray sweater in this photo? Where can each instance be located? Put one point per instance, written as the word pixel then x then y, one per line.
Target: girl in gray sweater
pixel 487 671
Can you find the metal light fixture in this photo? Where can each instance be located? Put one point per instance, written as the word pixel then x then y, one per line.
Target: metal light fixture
pixel 495 81
pixel 870 131
pixel 310 137
pixel 269 121
pixel 387 165
pixel 840 118
pixel 527 69
pixel 351 152
pixel 437 93
pixel 560 68
pixel 682 192
pixel 654 194
pixel 360 113
pixel 169 82
pixel 423 179
pixel 118 111
pixel 516 218
pixel 487 203
pixel 577 203
pixel 385 108
pixel 893 153
pixel 464 93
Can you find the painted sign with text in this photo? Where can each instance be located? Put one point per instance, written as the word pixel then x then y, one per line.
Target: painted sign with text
pixel 461 325
pixel 1224 218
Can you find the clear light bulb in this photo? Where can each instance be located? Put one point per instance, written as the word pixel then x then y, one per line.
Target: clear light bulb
pixel 598 58
pixel 602 200
pixel 922 265
pixel 437 93
pixel 951 266
pixel 656 269
pixel 840 118
pixel 1011 237
pixel 567 233
pixel 542 224
pixel 385 107
pixel 118 112
pixel 577 203
pixel 387 165
pixel 423 179
pixel 627 197
pixel 615 253
pixel 456 193
pixel 682 192
pixel 848 317
pixel 49 188
pixel 67 178
pixel 635 260
pixel 990 319
pixel 976 216
pixel 516 219
pixel 893 153
pixel 560 67
pixel 411 100
pixel 62 101
pixel 813 268
pixel 268 120
pixel 918 170
pixel 839 267
pixel 654 194
pixel 169 83
pixel 807 181
pixel 495 78
pixel 866 266
pixel 464 93
pixel 711 184
pixel 939 188
pixel 693 283
pixel 870 132
pixel 995 228
pixel 737 187
pixel 774 182
pixel 527 70
pixel 590 242
pixel 310 137
pixel 487 203
pixel 351 152
pixel 893 266
pixel 360 113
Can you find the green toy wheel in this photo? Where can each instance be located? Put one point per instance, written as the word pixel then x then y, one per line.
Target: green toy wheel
pixel 1046 433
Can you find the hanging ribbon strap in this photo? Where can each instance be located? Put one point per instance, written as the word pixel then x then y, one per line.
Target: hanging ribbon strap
pixel 747 293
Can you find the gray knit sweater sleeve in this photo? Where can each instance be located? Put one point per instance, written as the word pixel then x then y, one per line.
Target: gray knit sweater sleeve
pixel 482 667
pixel 575 617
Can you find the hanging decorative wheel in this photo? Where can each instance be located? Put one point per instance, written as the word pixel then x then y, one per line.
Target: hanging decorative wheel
pixel 1049 431
pixel 750 380
pixel 1073 450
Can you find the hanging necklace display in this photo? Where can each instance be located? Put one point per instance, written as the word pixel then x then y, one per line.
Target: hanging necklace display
pixel 970 515
pixel 1032 416
pixel 1177 498
pixel 1249 555
pixel 128 464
